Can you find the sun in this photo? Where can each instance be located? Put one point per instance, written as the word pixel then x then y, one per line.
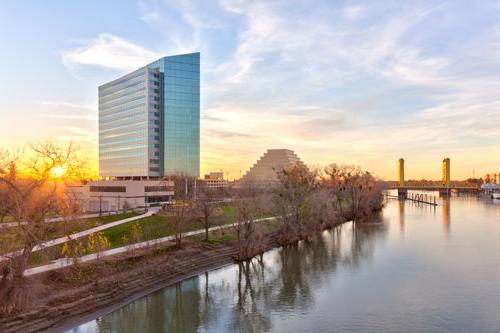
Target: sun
pixel 57 172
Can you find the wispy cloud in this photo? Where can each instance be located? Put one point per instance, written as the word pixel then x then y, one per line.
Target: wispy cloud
pixel 109 51
pixel 68 116
pixel 362 84
pixel 69 105
pixel 354 12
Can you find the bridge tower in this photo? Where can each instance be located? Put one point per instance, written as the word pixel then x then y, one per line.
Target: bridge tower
pixel 402 192
pixel 446 176
pixel 401 172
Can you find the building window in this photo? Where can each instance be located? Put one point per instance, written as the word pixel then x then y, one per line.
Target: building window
pixel 160 188
pixel 157 137
pixel 108 189
pixel 157 153
pixel 154 161
pixel 156 99
pixel 157 198
pixel 156 75
pixel 154 169
pixel 157 145
pixel 156 106
pixel 157 91
pixel 156 83
pixel 157 122
pixel 157 130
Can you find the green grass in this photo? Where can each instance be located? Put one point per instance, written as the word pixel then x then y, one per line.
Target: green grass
pixel 150 227
pixel 59 229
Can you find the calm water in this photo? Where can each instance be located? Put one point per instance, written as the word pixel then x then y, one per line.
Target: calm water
pixel 412 269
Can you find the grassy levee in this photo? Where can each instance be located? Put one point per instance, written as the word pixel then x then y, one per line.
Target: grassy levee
pixel 59 229
pixel 149 228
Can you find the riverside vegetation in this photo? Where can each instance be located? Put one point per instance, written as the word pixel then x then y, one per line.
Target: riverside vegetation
pixel 302 201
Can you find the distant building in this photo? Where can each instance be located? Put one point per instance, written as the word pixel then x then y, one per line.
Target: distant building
pixel 215 180
pixel 113 195
pixel 492 178
pixel 149 121
pixel 264 171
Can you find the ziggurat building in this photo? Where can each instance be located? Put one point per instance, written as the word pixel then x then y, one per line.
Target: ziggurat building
pixel 265 169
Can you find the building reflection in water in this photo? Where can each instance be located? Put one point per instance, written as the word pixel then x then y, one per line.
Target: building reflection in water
pixel 242 297
pixel 174 309
pixel 445 202
pixel 401 216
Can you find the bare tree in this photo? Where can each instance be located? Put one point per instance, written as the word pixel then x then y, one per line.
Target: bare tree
pixel 205 206
pixel 292 201
pixel 250 203
pixel 35 189
pixel 126 206
pixel 356 193
pixel 180 213
pixel 6 201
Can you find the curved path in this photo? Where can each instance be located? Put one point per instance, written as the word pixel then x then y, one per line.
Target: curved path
pixel 64 262
pixel 58 219
pixel 83 233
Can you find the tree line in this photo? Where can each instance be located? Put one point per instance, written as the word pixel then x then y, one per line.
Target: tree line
pixel 303 202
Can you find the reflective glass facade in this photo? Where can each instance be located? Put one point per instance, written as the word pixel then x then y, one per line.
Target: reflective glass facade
pixel 181 111
pixel 149 120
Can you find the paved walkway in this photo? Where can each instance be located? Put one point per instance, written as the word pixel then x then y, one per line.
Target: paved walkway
pixel 58 219
pixel 83 233
pixel 64 262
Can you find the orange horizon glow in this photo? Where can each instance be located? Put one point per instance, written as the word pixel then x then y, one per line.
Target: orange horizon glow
pixel 235 166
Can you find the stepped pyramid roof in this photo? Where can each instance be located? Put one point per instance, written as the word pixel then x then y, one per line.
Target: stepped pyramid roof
pixel 266 167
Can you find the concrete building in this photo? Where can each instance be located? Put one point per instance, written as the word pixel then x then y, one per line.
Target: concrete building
pixel 113 195
pixel 215 180
pixel 149 121
pixel 264 171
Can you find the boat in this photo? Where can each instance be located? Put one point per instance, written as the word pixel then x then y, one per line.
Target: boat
pixel 491 191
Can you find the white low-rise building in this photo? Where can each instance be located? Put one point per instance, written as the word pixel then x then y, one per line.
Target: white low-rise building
pixel 113 195
pixel 215 180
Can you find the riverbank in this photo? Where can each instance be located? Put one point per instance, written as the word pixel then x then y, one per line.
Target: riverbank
pixel 65 298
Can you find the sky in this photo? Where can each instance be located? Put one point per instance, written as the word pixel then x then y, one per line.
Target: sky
pixel 350 82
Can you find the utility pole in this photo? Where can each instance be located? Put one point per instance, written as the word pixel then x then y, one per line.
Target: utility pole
pixel 195 189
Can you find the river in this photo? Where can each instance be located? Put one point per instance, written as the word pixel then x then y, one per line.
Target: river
pixel 413 268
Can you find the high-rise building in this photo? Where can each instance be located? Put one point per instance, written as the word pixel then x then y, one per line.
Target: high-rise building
pixel 149 121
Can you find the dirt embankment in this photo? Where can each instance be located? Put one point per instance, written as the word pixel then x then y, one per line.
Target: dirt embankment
pixel 65 298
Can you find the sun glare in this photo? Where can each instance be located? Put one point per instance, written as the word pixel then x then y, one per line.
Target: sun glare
pixel 57 172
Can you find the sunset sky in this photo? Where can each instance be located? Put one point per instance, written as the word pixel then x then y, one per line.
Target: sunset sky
pixel 362 82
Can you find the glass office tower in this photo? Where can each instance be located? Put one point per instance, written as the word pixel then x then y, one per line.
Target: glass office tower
pixel 181 113
pixel 149 120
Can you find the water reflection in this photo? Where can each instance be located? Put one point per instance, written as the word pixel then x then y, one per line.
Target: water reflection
pixel 353 278
pixel 445 202
pixel 150 314
pixel 401 216
pixel 243 297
